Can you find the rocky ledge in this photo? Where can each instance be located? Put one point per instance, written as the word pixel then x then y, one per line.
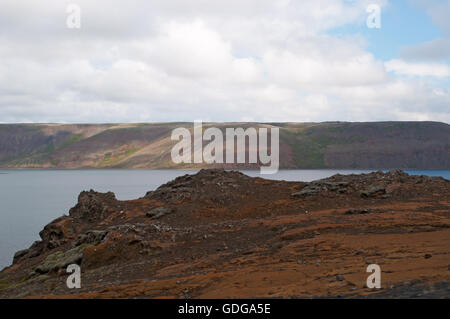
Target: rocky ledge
pixel 221 234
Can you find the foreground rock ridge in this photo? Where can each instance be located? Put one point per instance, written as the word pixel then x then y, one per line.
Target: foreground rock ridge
pixel 222 234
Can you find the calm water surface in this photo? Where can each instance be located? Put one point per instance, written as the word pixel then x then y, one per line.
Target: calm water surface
pixel 30 199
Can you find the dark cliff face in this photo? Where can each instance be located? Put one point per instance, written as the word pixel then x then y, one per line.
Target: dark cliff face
pixel 378 145
pixel 391 145
pixel 414 145
pixel 210 234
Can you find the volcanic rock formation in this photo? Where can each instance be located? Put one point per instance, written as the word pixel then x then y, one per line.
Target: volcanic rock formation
pixel 222 234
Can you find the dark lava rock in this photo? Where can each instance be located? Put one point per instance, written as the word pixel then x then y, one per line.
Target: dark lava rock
pixel 93 237
pixel 214 185
pixel 159 212
pixel 319 186
pixel 61 260
pixel 93 206
pixel 57 232
pixel 374 190
pixel 307 191
pixel 18 255
pixel 360 252
pixel 354 211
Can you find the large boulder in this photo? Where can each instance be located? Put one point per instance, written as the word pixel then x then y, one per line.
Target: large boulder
pixel 93 237
pixel 58 232
pixel 212 185
pixel 316 187
pixel 62 259
pixel 374 190
pixel 93 206
pixel 159 212
pixel 19 255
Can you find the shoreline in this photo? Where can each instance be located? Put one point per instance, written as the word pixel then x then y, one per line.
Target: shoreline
pixel 221 225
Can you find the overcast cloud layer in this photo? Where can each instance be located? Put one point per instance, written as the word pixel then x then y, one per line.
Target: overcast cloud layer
pixel 234 60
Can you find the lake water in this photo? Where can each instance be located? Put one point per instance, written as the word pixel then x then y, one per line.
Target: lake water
pixel 30 199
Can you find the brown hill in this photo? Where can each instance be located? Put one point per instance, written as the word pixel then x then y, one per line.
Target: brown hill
pixel 413 145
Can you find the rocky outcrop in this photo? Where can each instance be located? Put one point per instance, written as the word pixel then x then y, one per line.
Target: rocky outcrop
pixel 215 185
pixel 18 255
pixel 92 237
pixel 315 188
pixel 159 212
pixel 377 184
pixel 60 260
pixel 93 206
pixel 374 190
pixel 58 232
pixel 221 234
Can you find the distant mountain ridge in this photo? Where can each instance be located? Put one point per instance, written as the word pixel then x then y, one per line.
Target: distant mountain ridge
pixel 368 145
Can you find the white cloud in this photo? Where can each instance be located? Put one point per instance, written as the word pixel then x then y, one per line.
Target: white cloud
pixel 213 60
pixel 311 64
pixel 418 69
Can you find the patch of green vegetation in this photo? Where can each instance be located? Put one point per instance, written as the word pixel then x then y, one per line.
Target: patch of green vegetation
pixel 74 138
pixel 4 284
pixel 309 154
pixel 359 138
pixel 309 145
pixel 34 127
pixel 131 151
pixel 134 128
pixel 335 129
pixel 110 159
pixel 54 162
pixel 36 158
pixel 49 148
pixel 61 259
pixel 120 165
pixel 294 132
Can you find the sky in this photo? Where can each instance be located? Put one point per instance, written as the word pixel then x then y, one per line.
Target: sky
pixel 234 60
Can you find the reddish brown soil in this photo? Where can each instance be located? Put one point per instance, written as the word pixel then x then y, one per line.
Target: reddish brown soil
pixel 226 235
